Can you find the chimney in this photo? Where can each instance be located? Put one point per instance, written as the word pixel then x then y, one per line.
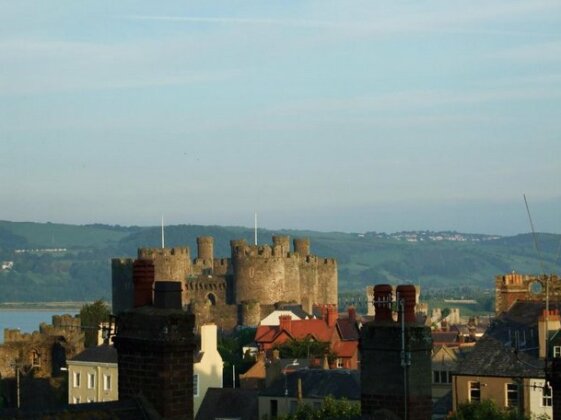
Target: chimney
pixel 155 357
pixel 553 322
pixel 167 295
pixel 407 294
pixel 143 278
pixel 208 338
pixel 285 323
pixel 352 314
pixel 383 310
pixel 331 315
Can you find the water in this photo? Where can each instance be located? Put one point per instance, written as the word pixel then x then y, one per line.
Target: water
pixel 28 320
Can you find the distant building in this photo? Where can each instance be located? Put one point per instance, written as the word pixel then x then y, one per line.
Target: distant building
pixel 207 366
pixel 93 376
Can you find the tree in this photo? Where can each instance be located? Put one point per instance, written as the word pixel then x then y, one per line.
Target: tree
pixel 91 315
pixel 485 410
pixel 331 409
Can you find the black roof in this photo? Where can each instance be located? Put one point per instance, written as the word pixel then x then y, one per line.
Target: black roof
pixel 296 309
pixel 229 403
pixel 99 354
pixel 510 347
pixel 317 383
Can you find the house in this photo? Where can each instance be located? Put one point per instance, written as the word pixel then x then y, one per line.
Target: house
pixel 507 364
pixel 308 386
pixel 207 366
pixel 341 334
pixel 93 376
pixel 444 361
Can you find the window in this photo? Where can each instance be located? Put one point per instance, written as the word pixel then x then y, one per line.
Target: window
pixel 293 406
pixel 35 358
pixel 196 385
pixel 76 380
pixel 556 351
pixel 274 406
pixel 76 400
pixel 339 362
pixel 107 382
pixel 474 391
pixel 441 377
pixel 91 380
pixel 547 400
pixel 512 395
pixel 90 400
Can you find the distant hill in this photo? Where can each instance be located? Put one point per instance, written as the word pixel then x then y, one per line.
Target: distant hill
pixel 58 262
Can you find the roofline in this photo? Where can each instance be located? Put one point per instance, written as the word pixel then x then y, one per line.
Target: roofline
pixel 94 364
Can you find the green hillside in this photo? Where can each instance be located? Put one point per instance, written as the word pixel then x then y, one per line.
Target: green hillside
pixel 82 270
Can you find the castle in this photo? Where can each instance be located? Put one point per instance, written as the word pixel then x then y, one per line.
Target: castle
pixel 239 290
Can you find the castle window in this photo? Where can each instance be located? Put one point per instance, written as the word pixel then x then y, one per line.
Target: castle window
pixel 35 358
pixel 211 298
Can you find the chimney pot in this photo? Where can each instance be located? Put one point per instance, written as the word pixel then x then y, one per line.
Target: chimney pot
pixel 407 294
pixel 383 294
pixel 167 295
pixel 143 280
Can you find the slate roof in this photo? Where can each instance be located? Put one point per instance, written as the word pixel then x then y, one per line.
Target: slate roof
pixel 295 309
pixel 229 403
pixel 510 346
pixel 317 383
pixel 99 354
pixel 348 329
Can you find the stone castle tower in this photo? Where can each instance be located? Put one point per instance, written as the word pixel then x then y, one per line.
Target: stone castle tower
pixel 241 289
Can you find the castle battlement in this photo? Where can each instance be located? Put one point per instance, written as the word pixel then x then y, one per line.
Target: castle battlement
pixel 153 253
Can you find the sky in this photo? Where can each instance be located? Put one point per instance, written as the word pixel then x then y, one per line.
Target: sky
pixel 327 115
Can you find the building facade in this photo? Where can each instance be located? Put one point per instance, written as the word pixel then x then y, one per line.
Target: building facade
pixel 93 376
pixel 207 367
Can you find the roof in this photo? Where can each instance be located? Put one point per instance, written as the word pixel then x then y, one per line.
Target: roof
pixel 129 409
pixel 510 346
pixel 317 383
pixel 348 329
pixel 450 337
pixel 229 403
pixel 295 309
pixel 316 328
pixel 99 354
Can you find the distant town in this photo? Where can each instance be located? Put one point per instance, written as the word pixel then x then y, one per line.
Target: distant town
pixel 263 333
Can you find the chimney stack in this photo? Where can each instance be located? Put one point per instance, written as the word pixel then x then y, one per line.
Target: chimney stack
pixel 143 279
pixel 383 310
pixel 352 314
pixel 407 294
pixel 331 315
pixel 285 322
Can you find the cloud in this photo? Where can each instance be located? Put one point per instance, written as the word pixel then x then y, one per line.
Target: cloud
pixel 303 23
pixel 31 66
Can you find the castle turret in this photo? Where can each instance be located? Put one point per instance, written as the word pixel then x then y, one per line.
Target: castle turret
pixel 281 244
pixel 205 248
pixel 302 246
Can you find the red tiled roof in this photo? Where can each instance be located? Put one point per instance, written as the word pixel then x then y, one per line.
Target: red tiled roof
pixel 316 328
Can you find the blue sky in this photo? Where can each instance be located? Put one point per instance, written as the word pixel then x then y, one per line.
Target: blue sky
pixel 351 116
